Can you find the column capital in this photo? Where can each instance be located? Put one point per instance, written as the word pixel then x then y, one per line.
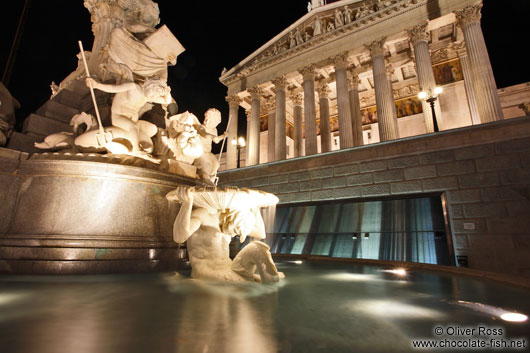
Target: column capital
pixel 233 100
pixel 377 47
pixel 308 72
pixel 297 98
pixel 323 90
pixel 340 61
pixel 255 92
pixel 353 82
pixel 418 33
pixel 280 82
pixel 248 113
pixel 468 15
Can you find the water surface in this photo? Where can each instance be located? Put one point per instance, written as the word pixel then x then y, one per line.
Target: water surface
pixel 319 307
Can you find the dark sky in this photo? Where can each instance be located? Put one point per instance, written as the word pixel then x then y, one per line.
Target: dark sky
pixel 216 34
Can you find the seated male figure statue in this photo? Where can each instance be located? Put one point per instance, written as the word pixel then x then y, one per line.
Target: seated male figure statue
pixel 130 135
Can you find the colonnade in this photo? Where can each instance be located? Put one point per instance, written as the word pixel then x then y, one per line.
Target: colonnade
pixel 479 82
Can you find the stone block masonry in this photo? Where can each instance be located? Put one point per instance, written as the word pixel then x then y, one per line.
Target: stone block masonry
pixel 483 172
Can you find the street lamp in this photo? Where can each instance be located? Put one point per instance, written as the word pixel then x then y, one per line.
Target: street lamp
pixel 239 143
pixel 430 97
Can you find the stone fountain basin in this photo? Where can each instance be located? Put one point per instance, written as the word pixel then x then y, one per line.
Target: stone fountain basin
pixel 79 217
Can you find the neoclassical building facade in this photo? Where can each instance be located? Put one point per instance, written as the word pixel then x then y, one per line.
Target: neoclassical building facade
pixel 348 74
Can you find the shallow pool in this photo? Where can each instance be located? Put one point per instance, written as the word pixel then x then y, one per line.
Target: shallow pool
pixel 319 307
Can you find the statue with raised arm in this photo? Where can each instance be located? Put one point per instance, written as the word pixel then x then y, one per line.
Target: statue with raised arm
pixel 208 164
pixel 130 135
pixel 208 219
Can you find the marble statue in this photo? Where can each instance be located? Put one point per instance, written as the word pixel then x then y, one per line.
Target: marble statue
pixel 130 135
pixel 317 27
pixel 298 36
pixel 180 140
pixel 339 19
pixel 207 163
pixel 292 40
pixel 8 105
pixel 347 14
pixel 208 219
pixel 81 123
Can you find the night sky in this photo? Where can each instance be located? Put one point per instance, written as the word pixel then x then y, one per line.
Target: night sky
pixel 216 35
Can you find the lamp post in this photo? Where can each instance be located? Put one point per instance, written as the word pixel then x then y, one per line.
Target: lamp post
pixel 239 143
pixel 430 97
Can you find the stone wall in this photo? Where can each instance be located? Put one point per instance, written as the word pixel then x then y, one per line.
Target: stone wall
pixel 483 171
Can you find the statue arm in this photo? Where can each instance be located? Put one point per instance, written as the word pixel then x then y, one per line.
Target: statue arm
pixel 111 88
pixel 185 224
pixel 217 139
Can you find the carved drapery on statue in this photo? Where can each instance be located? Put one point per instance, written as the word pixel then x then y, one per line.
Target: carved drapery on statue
pixel 148 57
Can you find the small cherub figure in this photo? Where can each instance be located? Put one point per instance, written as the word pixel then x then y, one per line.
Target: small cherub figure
pixel 208 164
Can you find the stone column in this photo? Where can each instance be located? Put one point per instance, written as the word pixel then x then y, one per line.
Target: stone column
pixel 248 114
pixel 325 126
pixel 419 37
pixel 468 82
pixel 355 108
pixel 389 75
pixel 280 151
pixel 343 101
pixel 311 144
pixel 271 125
pixel 486 94
pixel 388 128
pixel 231 150
pixel 253 139
pixel 297 100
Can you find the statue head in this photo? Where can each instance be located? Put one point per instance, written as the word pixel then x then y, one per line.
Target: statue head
pixel 243 222
pixel 155 88
pixel 212 118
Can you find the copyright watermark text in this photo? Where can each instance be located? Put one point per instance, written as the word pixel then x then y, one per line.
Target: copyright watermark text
pixel 476 337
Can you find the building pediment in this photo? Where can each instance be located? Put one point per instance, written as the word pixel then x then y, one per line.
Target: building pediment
pixel 322 24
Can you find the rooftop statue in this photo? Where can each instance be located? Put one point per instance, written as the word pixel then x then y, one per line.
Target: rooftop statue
pixel 208 219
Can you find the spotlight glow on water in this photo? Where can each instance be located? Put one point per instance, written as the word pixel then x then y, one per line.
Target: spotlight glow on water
pixel 491 310
pixel 356 277
pixel 298 262
pixel 514 317
pixel 389 308
pixel 397 271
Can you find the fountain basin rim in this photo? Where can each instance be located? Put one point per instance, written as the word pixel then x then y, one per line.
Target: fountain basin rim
pixel 514 280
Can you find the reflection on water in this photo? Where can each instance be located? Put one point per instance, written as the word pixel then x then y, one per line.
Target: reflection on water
pixel 317 308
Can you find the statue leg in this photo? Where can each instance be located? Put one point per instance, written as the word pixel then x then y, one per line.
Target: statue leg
pixel 130 138
pixel 146 131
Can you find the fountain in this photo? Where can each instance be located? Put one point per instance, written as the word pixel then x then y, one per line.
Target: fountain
pixel 93 200
pixel 75 212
